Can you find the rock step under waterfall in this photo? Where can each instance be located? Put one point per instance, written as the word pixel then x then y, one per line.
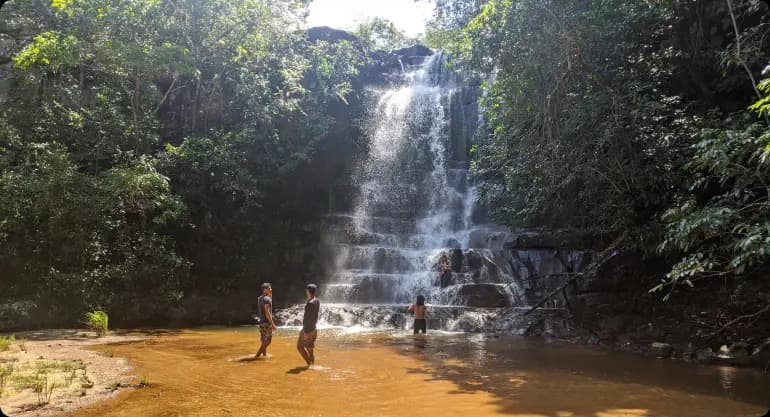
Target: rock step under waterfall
pixel 343 236
pixel 449 318
pixel 371 224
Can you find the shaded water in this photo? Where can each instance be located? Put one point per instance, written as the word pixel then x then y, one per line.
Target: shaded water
pixel 196 373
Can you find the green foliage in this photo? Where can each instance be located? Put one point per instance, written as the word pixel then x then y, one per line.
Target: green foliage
pixel 723 222
pixel 380 33
pixel 581 135
pixel 762 106
pixel 98 321
pixel 49 49
pixel 148 147
pixel 6 341
pixel 595 119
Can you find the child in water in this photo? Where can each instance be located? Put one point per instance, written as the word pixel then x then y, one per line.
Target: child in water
pixel 419 309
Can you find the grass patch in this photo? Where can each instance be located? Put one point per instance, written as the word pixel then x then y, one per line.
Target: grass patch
pixel 22 342
pixel 6 341
pixel 44 388
pixel 144 382
pixel 98 321
pixel 5 375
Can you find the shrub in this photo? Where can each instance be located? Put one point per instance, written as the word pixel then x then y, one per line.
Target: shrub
pixel 98 321
pixel 5 342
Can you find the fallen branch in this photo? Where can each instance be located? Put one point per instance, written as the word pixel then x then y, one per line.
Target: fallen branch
pixel 603 257
pixel 740 318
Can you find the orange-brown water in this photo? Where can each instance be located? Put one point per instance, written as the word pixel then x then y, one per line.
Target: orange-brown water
pixel 196 373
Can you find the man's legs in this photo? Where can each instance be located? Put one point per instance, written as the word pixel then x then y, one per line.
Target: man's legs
pixel 266 336
pixel 301 347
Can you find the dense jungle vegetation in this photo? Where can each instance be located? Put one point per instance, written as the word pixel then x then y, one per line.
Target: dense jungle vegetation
pixel 158 152
pixel 154 150
pixel 648 118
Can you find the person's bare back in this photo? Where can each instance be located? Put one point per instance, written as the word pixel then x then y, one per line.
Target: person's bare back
pixel 418 310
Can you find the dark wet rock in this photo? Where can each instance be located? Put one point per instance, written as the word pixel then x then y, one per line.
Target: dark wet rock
pixel 18 314
pixel 704 355
pixel 474 260
pixel 732 355
pixel 327 34
pixel 613 326
pixel 535 329
pixel 661 350
pixel 456 259
pixel 523 239
pixel 414 50
pixel 490 271
pixel 477 239
pixel 452 244
pixel 483 295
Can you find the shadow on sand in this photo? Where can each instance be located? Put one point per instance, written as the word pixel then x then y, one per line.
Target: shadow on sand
pixel 298 370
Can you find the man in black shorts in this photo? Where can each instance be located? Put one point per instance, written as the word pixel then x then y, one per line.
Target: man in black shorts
pixel 265 314
pixel 308 334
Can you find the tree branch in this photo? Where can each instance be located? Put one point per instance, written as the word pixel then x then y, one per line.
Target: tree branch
pixel 740 318
pixel 165 96
pixel 740 58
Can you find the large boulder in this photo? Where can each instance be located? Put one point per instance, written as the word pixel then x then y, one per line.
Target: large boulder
pixel 414 50
pixel 456 259
pixel 552 239
pixel 327 34
pixel 736 354
pixel 16 315
pixel 483 295
pixel 661 350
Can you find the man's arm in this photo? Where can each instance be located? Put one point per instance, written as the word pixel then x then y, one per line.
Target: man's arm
pixel 269 314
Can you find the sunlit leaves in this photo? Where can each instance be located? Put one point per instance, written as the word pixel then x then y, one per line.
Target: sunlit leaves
pixel 379 33
pixel 49 49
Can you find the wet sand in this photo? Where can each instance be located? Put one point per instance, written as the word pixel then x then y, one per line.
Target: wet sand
pixel 205 373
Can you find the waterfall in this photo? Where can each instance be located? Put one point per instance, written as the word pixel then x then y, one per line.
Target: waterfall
pixel 413 204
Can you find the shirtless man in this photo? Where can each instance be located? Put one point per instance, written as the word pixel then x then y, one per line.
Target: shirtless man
pixel 265 314
pixel 419 309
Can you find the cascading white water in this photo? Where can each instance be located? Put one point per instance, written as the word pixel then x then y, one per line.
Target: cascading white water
pixel 414 203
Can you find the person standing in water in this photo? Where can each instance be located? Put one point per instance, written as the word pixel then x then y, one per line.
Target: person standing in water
pixel 308 334
pixel 446 271
pixel 265 314
pixel 419 309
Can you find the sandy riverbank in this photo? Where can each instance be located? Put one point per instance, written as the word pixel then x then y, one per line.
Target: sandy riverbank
pixel 49 372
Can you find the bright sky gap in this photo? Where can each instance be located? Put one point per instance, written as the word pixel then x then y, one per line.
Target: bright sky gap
pixel 409 16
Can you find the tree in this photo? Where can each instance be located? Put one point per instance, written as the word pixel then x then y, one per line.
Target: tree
pixel 379 33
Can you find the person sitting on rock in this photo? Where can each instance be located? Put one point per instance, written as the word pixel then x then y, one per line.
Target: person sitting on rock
pixel 446 271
